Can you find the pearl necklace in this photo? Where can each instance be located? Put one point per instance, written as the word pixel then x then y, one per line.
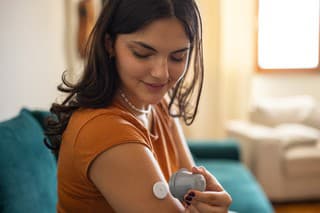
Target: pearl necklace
pixel 132 106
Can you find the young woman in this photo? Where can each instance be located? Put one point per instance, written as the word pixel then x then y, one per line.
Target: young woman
pixel 117 133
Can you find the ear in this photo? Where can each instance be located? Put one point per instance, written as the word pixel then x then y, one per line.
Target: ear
pixel 108 43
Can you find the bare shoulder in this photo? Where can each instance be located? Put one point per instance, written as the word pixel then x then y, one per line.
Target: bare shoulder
pixel 125 175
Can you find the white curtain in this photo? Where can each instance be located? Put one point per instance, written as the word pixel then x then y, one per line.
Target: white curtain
pixel 229 54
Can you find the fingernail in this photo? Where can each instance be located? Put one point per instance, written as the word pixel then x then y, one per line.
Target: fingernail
pixel 191 194
pixel 188 198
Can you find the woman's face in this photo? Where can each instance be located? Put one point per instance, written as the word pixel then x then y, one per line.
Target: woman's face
pixel 151 60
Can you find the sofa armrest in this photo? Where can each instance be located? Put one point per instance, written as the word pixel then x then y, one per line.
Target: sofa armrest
pixel 215 149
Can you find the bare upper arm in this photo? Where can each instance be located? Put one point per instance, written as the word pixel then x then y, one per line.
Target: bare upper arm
pixel 125 175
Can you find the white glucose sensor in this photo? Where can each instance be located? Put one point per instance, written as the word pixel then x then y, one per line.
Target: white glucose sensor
pixel 160 190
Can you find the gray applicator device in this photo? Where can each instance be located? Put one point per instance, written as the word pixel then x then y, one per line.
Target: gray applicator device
pixel 183 180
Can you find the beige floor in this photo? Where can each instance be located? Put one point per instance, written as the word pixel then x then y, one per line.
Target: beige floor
pixel 310 207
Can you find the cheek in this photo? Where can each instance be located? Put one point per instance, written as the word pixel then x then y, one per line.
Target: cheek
pixel 177 71
pixel 129 67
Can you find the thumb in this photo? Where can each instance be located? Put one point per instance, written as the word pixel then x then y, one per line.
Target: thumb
pixel 212 183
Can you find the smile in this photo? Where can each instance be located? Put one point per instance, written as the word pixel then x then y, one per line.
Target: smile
pixel 155 85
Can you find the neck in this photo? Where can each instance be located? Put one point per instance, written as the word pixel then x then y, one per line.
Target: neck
pixel 131 106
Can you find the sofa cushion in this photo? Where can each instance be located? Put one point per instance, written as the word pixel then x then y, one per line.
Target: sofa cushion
pixel 28 169
pixel 246 193
pixel 302 162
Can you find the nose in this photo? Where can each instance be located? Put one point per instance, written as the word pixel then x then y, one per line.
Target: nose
pixel 160 70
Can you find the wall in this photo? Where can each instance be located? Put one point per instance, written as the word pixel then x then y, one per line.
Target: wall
pixel 228 53
pixel 289 84
pixel 32 55
pixel 209 10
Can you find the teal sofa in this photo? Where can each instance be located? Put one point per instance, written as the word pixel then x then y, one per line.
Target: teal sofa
pixel 28 169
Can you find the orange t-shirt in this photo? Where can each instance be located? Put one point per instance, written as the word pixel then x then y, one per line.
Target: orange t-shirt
pixel 91 132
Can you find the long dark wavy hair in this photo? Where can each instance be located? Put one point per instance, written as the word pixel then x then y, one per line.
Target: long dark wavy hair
pixel 99 82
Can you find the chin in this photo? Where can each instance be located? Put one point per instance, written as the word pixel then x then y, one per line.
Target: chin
pixel 155 101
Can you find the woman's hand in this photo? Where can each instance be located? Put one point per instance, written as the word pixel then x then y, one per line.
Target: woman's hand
pixel 214 199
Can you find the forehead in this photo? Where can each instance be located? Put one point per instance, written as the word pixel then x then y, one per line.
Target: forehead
pixel 167 33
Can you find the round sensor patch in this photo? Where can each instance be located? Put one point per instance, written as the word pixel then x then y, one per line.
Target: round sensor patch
pixel 160 190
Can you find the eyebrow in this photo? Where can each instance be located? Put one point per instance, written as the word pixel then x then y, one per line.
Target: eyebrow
pixel 146 46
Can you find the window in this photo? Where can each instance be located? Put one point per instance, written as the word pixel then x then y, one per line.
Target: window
pixel 288 35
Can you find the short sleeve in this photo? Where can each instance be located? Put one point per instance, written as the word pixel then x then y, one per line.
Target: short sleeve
pixel 101 133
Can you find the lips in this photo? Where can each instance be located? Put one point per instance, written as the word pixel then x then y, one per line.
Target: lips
pixel 155 85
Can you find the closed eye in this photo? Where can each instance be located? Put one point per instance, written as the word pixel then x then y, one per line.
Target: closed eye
pixel 140 55
pixel 176 59
pixel 179 57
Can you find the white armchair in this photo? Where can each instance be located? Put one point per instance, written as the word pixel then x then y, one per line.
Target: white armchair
pixel 280 144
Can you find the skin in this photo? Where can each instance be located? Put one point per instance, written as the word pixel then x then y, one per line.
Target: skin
pixel 150 61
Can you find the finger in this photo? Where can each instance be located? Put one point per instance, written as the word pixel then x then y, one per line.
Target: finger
pixel 204 207
pixel 209 197
pixel 192 209
pixel 212 183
